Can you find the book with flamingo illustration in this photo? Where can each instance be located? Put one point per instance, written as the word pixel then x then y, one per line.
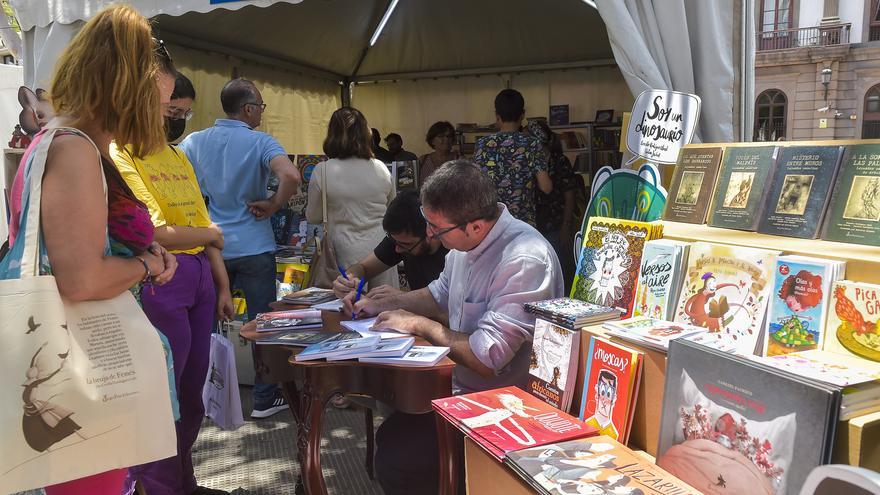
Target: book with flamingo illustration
pixel 726 290
pixel 853 325
pixel 508 419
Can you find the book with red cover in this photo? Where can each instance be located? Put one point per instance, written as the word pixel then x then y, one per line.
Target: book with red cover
pixel 611 386
pixel 508 419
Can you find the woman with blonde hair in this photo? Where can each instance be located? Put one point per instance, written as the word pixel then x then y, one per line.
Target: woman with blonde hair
pixel 105 87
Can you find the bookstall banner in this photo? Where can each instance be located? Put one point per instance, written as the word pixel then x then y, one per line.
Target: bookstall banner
pixel 662 123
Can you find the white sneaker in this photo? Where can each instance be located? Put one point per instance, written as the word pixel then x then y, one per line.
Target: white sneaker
pixel 264 411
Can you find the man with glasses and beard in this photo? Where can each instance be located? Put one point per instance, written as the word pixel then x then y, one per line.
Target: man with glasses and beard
pixel 232 162
pixel 405 241
pixel 495 264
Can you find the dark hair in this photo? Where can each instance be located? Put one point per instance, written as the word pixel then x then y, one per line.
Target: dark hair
pixel 348 135
pixel 183 88
pixel 374 134
pixel 461 192
pixel 235 94
pixel 554 144
pixel 607 375
pixel 394 135
pixel 403 215
pixel 438 128
pixel 509 105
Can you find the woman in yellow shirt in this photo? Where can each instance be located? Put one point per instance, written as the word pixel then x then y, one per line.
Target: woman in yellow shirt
pixel 186 308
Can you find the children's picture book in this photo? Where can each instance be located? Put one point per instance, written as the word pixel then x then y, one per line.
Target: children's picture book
pixel 660 276
pixel 732 425
pixel 610 388
pixel 739 196
pixel 553 363
pixel 799 303
pixel 608 269
pixel 508 419
pixel 650 332
pixel 417 355
pixel 797 198
pixel 854 211
pixel 285 320
pixel 597 465
pixel 571 313
pixel 853 326
pixel 692 185
pixel 333 347
pixel 828 367
pixel 726 290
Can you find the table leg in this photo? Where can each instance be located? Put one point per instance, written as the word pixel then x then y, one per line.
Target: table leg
pixel 450 442
pixel 309 425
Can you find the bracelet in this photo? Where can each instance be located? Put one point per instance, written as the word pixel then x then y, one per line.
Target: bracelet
pixel 148 275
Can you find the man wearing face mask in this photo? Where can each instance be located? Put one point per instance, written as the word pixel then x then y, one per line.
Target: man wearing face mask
pixel 185 309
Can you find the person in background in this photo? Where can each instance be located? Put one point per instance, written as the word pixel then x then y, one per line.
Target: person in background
pixel 395 149
pixel 379 152
pixel 186 309
pixel 117 44
pixel 495 264
pixel 514 161
pixel 405 241
pixel 232 162
pixel 359 190
pixel 440 137
pixel 555 211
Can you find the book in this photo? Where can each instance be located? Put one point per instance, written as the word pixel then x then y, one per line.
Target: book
pixel 334 305
pixel 553 363
pixel 692 185
pixel 309 297
pixel 797 198
pixel 799 302
pixel 507 419
pixel 404 174
pixel 660 276
pixel 303 338
pixel 286 320
pixel 571 313
pixel 334 347
pixel 733 425
pixel 558 115
pixel 650 332
pixel 599 465
pixel 726 290
pixel 610 259
pixel 854 210
pixel 364 326
pixel 417 355
pixel 739 195
pixel 394 348
pixel 828 367
pixel 853 326
pixel 611 386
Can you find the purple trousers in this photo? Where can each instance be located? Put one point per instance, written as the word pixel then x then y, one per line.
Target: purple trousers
pixel 183 310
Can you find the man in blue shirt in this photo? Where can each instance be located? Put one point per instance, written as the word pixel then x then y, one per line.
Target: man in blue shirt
pixel 232 162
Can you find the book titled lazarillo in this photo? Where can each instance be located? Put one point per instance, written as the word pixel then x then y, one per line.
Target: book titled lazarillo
pixel 739 195
pixel 597 465
pixel 553 363
pixel 853 326
pixel 854 211
pixel 610 259
pixel 610 387
pixel 725 290
pixel 508 419
pixel 692 184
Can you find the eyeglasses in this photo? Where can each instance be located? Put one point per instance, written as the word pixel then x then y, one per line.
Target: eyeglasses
pixel 162 50
pixel 436 231
pixel 605 390
pixel 179 113
pixel 261 105
pixel 405 249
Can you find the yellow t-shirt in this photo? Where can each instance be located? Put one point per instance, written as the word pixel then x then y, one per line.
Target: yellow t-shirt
pixel 608 430
pixel 166 183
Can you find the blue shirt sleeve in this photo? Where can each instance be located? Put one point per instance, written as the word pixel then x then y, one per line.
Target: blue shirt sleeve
pixel 270 148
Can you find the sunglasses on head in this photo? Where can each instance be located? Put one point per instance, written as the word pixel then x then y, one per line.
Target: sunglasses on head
pixel 162 50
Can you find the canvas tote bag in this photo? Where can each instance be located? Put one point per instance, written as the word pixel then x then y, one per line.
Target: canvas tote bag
pixel 324 268
pixel 85 384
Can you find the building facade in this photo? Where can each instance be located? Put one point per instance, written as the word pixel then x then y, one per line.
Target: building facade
pixel 817 69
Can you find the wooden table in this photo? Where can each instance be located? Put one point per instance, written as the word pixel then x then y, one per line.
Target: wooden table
pixel 406 389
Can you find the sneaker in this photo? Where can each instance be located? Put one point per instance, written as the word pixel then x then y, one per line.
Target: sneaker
pixel 277 405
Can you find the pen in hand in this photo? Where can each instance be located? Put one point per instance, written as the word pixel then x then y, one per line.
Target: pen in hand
pixel 360 291
pixel 342 272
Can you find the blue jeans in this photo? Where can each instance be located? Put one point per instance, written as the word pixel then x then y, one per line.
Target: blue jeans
pixel 255 276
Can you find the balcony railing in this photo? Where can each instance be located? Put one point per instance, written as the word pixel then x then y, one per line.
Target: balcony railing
pixel 784 39
pixel 874 33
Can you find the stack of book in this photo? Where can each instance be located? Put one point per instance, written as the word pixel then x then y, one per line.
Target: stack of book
pixel 303 338
pixel 298 319
pixel 650 332
pixel 508 419
pixel 571 313
pixel 309 297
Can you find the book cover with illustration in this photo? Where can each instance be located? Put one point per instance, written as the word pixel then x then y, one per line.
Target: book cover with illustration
pixel 306 164
pixel 507 419
pixel 798 196
pixel 596 465
pixel 731 425
pixel 692 185
pixel 853 325
pixel 799 303
pixel 404 174
pixel 650 332
pixel 744 174
pixel 571 313
pixel 611 385
pixel 660 278
pixel 726 290
pixel 828 367
pixel 553 363
pixel 610 259
pixel 854 211
pixel 282 320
